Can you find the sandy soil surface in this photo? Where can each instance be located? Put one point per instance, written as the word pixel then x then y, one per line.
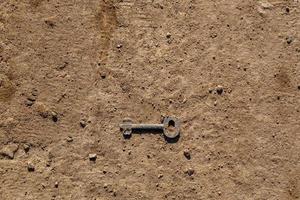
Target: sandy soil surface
pixel 72 70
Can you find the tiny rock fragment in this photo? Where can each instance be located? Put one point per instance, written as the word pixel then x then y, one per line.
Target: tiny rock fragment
pixel 168 35
pixel 103 75
pixel 48 163
pixel 31 98
pixel 69 139
pixel 30 167
pixel 119 46
pixel 26 147
pixel 83 123
pixel 34 92
pixel 219 89
pixel 62 66
pixel 29 102
pixel 50 22
pixel 187 154
pixel 215 103
pixel 289 39
pixel 54 116
pixel 190 171
pixel 56 184
pixel 160 176
pixel 92 157
pixel 9 150
pixel 261 12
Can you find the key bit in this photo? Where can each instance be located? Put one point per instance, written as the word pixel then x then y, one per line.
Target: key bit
pixel 170 127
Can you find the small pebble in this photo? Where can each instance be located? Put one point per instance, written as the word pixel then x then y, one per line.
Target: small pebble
pixel 168 35
pixel 160 176
pixel 215 103
pixel 298 87
pixel 56 184
pixel 26 147
pixel 190 171
pixel 34 92
pixel 69 139
pixel 54 116
pixel 187 154
pixel 103 75
pixel 92 157
pixel 83 123
pixel 287 10
pixel 119 46
pixel 29 102
pixel 30 167
pixel 219 90
pixel 31 98
pixel 289 40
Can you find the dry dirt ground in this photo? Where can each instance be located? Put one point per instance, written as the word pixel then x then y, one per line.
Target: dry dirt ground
pixel 71 70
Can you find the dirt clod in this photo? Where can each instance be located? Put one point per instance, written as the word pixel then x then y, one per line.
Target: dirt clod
pixel 9 150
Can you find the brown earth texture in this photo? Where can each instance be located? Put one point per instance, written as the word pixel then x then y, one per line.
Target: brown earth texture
pixel 72 70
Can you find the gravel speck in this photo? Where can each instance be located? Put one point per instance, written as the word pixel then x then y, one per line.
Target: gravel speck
pixel 30 167
pixel 219 89
pixel 190 171
pixel 187 154
pixel 92 157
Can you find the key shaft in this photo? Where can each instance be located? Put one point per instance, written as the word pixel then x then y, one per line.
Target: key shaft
pixel 147 126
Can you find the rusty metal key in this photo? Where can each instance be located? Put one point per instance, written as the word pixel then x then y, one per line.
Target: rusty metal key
pixel 170 127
